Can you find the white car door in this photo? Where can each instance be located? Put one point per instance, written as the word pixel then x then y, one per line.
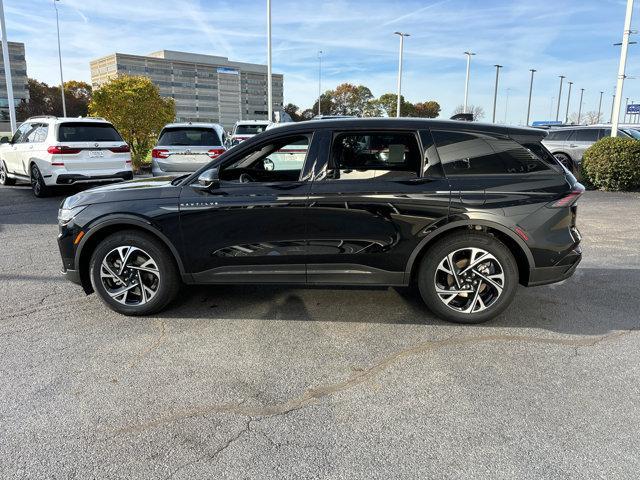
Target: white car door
pixel 32 146
pixel 10 151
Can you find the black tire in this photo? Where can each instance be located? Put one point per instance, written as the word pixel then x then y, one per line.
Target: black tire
pixel 38 186
pixel 457 242
pixel 168 279
pixel 4 179
pixel 565 160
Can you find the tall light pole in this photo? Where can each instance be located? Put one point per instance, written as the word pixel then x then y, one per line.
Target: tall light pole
pixel 621 68
pixel 600 106
pixel 495 92
pixel 269 85
pixel 319 80
pixel 399 94
pixel 469 54
pixel 566 113
pixel 506 105
pixel 580 106
pixel 7 71
pixel 64 103
pixel 562 77
pixel 530 93
pixel 626 106
pixel 613 106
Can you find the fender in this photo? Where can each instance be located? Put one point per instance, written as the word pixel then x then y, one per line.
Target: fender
pixel 134 221
pixel 463 223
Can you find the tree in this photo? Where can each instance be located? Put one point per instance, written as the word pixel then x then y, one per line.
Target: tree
pixel 293 111
pixel 352 100
pixel 587 118
pixel 389 104
pixel 136 109
pixel 326 104
pixel 476 110
pixel 46 100
pixel 77 96
pixel 429 109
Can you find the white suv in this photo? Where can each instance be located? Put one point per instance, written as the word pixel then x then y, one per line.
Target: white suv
pixel 245 129
pixel 51 151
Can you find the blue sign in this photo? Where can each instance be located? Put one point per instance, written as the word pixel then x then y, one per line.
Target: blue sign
pixel 231 71
pixel 544 123
pixel 633 108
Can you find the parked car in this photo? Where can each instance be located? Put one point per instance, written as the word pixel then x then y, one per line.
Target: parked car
pixel 245 129
pixel 185 147
pixel 50 152
pixel 467 211
pixel 568 144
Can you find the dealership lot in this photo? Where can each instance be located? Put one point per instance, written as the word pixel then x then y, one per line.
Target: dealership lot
pixel 283 382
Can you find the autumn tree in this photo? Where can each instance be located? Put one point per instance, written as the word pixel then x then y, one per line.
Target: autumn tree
pixel 293 111
pixel 46 100
pixel 429 109
pixel 135 107
pixel 389 104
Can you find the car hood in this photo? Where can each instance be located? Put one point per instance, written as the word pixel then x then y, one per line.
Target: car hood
pixel 140 189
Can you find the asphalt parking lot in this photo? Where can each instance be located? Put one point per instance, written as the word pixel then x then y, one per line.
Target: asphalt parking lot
pixel 281 382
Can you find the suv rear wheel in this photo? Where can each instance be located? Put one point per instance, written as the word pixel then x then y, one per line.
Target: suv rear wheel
pixel 134 273
pixel 38 186
pixel 4 178
pixel 565 160
pixel 468 277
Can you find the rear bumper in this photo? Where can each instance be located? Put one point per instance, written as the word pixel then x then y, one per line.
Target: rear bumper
pixel 73 178
pixel 557 273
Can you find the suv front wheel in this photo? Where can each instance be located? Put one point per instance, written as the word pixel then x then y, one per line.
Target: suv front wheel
pixel 468 277
pixel 134 273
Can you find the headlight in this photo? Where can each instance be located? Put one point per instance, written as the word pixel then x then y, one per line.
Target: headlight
pixel 65 215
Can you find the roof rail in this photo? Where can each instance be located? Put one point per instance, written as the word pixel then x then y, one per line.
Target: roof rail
pixel 42 116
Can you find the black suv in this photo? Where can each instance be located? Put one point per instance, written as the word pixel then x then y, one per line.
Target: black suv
pixel 465 210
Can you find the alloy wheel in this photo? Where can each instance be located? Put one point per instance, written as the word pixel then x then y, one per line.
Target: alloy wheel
pixel 36 180
pixel 130 275
pixel 469 280
pixel 3 174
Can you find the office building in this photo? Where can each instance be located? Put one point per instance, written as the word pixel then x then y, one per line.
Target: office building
pixel 18 79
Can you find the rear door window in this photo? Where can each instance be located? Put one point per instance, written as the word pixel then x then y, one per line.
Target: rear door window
pixel 250 129
pixel 586 135
pixel 189 137
pixel 559 136
pixel 464 153
pixel 88 132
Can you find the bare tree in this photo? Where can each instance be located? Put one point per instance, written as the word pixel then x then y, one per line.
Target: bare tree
pixel 476 110
pixel 587 118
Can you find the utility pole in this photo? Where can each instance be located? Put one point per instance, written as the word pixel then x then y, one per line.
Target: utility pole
pixel 530 93
pixel 319 80
pixel 580 106
pixel 495 92
pixel 269 84
pixel 7 71
pixel 399 94
pixel 469 54
pixel 562 77
pixel 600 106
pixel 64 102
pixel 613 104
pixel 566 114
pixel 506 106
pixel 626 106
pixel 621 68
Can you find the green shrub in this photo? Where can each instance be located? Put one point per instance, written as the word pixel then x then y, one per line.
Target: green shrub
pixel 613 164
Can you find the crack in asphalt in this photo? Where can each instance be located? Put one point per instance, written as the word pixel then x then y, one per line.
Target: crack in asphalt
pixel 311 395
pixel 153 346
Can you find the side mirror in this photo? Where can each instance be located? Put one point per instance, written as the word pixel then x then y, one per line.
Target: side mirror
pixel 208 180
pixel 5 140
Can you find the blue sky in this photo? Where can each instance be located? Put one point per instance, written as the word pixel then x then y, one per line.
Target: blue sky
pixel 568 37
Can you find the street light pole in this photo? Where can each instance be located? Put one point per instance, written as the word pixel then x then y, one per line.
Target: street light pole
pixel 269 85
pixel 626 106
pixel 469 54
pixel 319 80
pixel 562 77
pixel 566 113
pixel 600 107
pixel 621 68
pixel 506 105
pixel 399 93
pixel 495 92
pixel 580 106
pixel 530 93
pixel 7 71
pixel 64 103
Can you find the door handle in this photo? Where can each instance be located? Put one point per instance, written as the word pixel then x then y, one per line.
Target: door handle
pixel 572 146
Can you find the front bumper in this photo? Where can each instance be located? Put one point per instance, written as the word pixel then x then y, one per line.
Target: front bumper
pixel 72 276
pixel 557 273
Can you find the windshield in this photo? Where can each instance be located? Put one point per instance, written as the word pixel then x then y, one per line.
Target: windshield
pixel 88 132
pixel 632 133
pixel 253 129
pixel 191 137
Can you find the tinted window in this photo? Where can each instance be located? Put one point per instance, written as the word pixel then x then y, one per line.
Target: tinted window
pixel 362 155
pixel 632 133
pixel 278 161
pixel 558 136
pixel 604 132
pixel 585 135
pixel 468 154
pixel 250 129
pixel 192 137
pixel 38 134
pixel 88 132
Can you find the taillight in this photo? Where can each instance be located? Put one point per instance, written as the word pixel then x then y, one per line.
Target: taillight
pixel 159 153
pixel 121 149
pixel 215 152
pixel 62 150
pixel 570 198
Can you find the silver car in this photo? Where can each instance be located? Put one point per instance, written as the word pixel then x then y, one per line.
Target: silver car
pixel 568 144
pixel 185 147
